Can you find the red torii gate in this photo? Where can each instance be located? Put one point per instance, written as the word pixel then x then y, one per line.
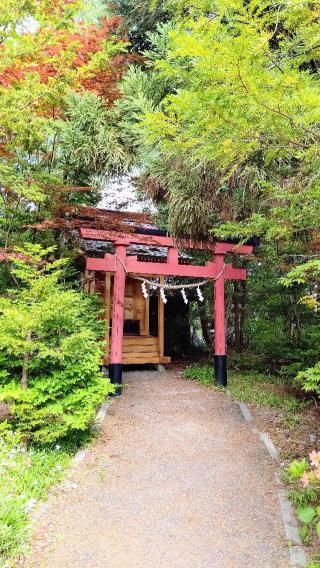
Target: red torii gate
pixel 120 264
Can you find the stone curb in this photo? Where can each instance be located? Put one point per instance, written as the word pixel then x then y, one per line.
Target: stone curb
pixel 98 423
pixel 297 555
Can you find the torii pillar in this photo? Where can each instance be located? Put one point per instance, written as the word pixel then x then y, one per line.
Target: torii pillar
pixel 220 357
pixel 115 367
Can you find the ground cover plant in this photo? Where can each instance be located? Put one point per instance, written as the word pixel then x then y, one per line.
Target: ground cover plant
pixel 303 476
pixel 25 476
pixel 252 387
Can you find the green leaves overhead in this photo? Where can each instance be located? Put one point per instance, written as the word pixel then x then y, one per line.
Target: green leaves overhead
pixel 244 97
pixel 89 143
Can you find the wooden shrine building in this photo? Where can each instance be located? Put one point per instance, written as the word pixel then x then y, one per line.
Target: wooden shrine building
pixel 119 258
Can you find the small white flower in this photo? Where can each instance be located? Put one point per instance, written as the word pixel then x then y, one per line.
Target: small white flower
pixel 57 446
pixel 30 505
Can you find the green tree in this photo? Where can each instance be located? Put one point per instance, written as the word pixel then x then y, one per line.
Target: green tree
pixel 237 141
pixel 140 18
pixel 50 58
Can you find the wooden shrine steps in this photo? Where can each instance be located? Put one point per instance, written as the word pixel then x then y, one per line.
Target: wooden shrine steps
pixel 140 350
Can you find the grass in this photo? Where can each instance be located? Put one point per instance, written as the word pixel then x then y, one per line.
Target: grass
pixel 252 387
pixel 25 476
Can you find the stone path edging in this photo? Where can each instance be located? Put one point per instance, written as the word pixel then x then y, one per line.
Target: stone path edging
pixel 98 423
pixel 297 555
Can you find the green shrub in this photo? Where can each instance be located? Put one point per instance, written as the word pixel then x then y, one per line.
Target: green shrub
pixel 50 355
pixel 309 379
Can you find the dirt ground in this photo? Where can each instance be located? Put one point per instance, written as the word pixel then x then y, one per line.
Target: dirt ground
pixel 177 479
pixel 293 441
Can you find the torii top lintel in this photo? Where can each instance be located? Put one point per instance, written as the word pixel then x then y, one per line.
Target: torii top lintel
pixel 170 268
pixel 156 240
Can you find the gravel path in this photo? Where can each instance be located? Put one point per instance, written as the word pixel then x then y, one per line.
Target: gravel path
pixel 177 480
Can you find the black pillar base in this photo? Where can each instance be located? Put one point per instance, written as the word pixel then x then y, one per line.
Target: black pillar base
pixel 220 370
pixel 115 376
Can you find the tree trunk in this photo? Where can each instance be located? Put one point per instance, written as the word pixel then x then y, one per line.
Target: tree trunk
pixel 295 327
pixel 26 356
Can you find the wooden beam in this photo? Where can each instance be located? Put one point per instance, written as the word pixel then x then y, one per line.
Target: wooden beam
pixel 92 281
pixel 142 348
pixel 224 248
pixel 147 269
pixel 160 321
pixel 86 281
pixel 105 264
pixel 139 340
pixel 232 273
pixel 135 266
pixel 140 359
pixel 155 240
pixel 165 360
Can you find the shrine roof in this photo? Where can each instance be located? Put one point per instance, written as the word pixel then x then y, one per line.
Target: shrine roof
pixel 79 216
pixel 124 223
pixel 93 226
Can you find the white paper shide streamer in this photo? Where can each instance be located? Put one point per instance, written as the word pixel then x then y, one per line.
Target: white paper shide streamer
pixel 163 296
pixel 184 295
pixel 144 290
pixel 200 296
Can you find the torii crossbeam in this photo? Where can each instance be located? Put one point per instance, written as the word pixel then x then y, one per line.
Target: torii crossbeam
pixel 120 264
